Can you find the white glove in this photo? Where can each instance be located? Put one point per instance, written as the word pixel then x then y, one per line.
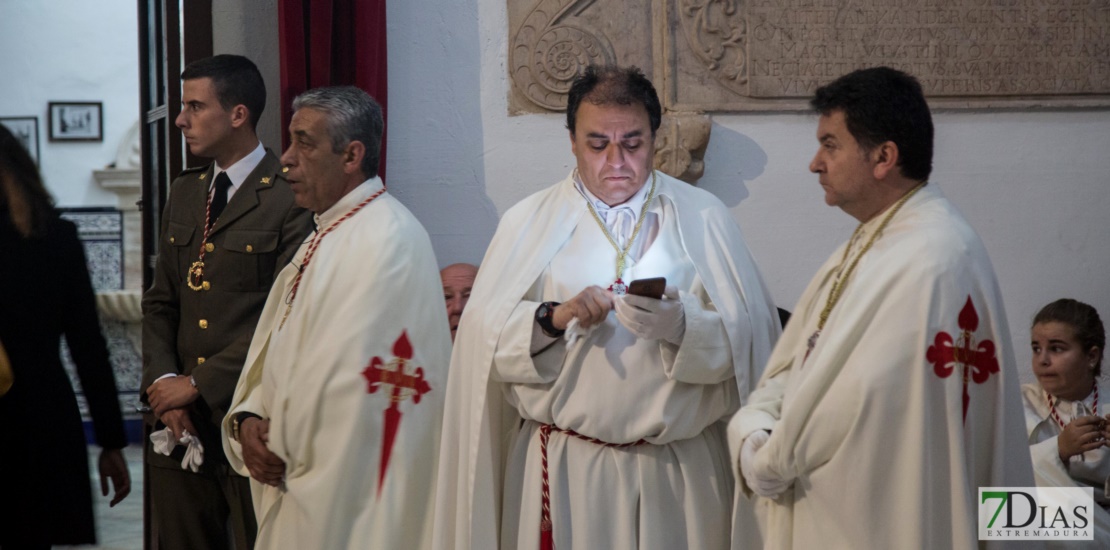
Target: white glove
pixel 652 319
pixel 194 453
pixel 761 484
pixel 163 443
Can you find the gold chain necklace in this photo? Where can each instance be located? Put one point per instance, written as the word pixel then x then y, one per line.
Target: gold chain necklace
pixel 842 278
pixel 618 287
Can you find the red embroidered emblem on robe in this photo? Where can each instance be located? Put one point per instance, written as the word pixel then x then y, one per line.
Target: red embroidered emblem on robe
pixel 977 358
pixel 378 373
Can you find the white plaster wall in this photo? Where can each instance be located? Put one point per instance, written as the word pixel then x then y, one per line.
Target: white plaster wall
pixel 71 50
pixel 250 28
pixel 1036 185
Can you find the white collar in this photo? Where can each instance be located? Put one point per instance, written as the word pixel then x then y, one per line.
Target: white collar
pixel 635 202
pixel 870 226
pixel 240 169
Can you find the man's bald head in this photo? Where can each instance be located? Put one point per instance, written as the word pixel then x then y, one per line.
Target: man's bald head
pixel 457 279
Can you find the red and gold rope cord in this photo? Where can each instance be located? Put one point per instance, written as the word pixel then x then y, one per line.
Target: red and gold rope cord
pixel 312 250
pixel 547 537
pixel 1056 416
pixel 198 266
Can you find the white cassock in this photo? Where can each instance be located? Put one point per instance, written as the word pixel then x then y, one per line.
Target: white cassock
pixel 328 381
pixel 1092 469
pixel 674 491
pixel 870 428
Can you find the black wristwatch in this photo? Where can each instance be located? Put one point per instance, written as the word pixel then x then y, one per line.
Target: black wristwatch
pixel 545 318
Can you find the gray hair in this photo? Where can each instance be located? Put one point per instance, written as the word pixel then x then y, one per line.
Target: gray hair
pixel 352 115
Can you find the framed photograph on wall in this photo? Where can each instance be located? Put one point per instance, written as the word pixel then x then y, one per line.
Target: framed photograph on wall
pixel 26 130
pixel 76 121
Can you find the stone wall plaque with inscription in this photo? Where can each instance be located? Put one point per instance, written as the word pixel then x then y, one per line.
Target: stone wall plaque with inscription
pixel 770 55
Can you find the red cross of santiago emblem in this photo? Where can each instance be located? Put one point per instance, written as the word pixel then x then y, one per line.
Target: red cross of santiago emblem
pixel 379 373
pixel 977 358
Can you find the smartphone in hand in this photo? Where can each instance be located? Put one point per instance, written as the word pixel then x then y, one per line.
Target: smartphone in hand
pixel 649 288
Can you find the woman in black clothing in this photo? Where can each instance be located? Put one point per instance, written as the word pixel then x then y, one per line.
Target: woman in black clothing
pixel 45 494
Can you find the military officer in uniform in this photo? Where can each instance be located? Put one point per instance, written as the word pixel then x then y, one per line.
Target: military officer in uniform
pixel 227 229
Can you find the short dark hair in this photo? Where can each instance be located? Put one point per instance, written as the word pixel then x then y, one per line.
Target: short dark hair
pixel 236 79
pixel 1081 317
pixel 613 85
pixel 352 115
pixel 883 104
pixel 24 201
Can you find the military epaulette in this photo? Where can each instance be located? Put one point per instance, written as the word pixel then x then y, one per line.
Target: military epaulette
pixel 277 175
pixel 280 175
pixel 194 170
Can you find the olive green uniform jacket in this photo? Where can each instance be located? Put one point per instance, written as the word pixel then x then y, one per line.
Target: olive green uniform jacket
pixel 206 333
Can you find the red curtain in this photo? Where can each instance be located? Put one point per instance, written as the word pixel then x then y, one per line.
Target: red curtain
pixel 331 43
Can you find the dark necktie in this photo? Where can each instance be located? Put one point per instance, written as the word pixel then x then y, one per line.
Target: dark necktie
pixel 219 197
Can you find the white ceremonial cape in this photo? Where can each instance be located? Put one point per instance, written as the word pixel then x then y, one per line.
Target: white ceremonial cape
pixel 479 423
pixel 372 285
pixel 870 428
pixel 1092 470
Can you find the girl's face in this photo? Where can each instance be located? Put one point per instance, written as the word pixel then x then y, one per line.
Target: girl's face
pixel 1064 369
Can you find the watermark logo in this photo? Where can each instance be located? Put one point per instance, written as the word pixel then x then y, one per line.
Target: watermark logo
pixel 1036 513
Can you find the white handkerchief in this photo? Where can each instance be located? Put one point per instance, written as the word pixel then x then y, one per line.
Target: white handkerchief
pixel 574 332
pixel 163 443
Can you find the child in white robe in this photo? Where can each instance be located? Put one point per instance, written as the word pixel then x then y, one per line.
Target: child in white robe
pixel 1066 411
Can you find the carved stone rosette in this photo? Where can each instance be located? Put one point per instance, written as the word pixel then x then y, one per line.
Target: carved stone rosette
pixel 547 52
pixel 716 31
pixel 680 145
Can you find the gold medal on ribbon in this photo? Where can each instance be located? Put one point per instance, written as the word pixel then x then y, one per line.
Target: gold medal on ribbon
pixel 618 287
pixel 195 278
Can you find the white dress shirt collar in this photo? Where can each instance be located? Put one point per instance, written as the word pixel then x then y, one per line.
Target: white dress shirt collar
pixel 240 169
pixel 635 202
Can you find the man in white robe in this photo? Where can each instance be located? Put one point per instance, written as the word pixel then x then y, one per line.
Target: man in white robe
pixel 337 413
pixel 630 392
pixel 874 426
